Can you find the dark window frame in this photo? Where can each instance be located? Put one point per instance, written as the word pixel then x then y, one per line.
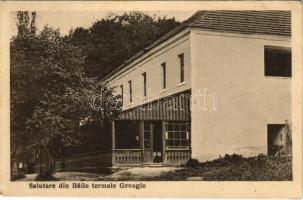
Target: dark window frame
pixel 181 64
pixel 122 94
pixel 174 135
pixel 163 66
pixel 130 91
pixel 274 62
pixel 144 84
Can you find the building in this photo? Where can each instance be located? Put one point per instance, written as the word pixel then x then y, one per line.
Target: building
pixel 220 83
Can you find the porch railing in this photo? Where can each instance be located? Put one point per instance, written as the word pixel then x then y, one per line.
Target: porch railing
pixel 177 156
pixel 173 157
pixel 127 156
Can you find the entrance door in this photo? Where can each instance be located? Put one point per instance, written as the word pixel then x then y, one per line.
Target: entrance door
pixel 148 142
pixel 152 142
pixel 157 142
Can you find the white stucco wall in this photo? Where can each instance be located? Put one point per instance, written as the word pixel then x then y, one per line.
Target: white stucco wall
pixel 231 66
pixel 151 64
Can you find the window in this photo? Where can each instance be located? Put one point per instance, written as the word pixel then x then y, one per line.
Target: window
pixel 147 135
pixel 121 87
pixel 127 135
pixel 163 75
pixel 181 60
pixel 277 61
pixel 144 83
pixel 130 91
pixel 177 135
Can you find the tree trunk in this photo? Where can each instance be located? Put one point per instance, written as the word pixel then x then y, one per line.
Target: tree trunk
pixel 13 162
pixel 47 163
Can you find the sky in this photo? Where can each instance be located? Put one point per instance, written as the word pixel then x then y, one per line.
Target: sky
pixel 65 21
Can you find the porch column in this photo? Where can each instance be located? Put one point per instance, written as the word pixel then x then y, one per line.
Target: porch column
pixel 113 143
pixel 164 141
pixel 113 135
pixel 142 140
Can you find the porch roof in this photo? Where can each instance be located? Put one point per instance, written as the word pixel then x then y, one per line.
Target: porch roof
pixel 171 108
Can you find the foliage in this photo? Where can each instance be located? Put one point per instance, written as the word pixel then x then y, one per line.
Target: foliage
pixel 252 169
pixel 236 168
pixel 111 41
pixel 193 163
pixel 53 81
pixel 225 161
pixel 50 92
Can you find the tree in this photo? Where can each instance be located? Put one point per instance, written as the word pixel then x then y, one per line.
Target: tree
pixel 51 94
pixel 114 39
pixel 53 80
pixel 19 102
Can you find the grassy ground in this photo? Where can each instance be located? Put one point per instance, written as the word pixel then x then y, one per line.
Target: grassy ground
pixel 229 168
pixel 233 168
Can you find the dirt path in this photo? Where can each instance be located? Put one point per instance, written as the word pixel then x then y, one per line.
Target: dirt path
pixel 68 176
pixel 139 173
pixel 133 173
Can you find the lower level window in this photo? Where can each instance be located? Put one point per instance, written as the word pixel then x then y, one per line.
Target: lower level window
pixel 278 139
pixel 177 135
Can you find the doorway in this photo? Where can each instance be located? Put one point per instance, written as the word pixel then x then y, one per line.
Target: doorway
pixel 152 142
pixel 276 139
pixel 157 143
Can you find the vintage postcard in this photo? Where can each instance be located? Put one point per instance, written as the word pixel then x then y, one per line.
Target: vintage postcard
pixel 151 99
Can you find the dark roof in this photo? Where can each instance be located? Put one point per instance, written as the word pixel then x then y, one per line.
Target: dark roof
pixel 251 22
pixel 267 22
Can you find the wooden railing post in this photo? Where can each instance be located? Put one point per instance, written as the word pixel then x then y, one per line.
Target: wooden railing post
pixel 113 143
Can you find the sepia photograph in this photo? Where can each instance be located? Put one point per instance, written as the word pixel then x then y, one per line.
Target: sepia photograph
pixel 135 98
pixel 151 96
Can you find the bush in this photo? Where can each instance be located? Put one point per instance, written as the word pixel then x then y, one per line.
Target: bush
pixel 227 160
pixel 17 177
pixel 261 156
pixel 193 163
pixel 235 168
pixel 234 158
